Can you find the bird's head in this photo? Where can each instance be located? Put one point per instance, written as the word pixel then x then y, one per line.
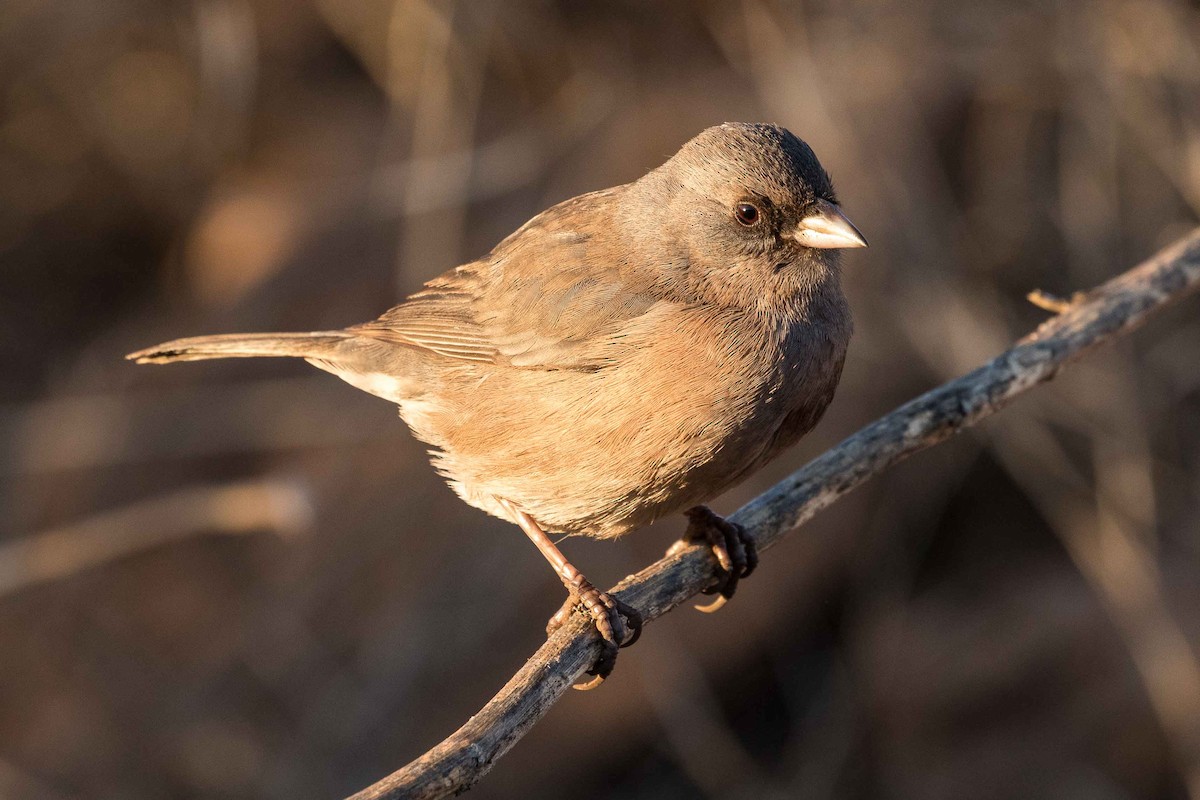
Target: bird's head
pixel 754 211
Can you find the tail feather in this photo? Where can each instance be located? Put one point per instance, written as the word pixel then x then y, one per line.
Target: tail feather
pixel 319 344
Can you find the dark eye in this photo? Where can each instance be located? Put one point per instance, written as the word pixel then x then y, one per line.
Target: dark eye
pixel 746 213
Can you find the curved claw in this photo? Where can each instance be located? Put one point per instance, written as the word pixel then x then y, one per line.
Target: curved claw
pixel 714 606
pixel 735 552
pixel 751 556
pixel 608 615
pixel 633 622
pixel 601 669
pixel 589 685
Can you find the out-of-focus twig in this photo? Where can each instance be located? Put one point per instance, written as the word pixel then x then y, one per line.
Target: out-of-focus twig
pixel 1111 310
pixel 515 158
pixel 1109 546
pixel 238 508
pixel 97 431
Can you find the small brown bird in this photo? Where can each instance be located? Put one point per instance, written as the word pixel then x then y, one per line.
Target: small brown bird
pixel 624 355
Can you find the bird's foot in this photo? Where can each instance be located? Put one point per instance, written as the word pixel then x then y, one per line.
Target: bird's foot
pixel 733 547
pixel 619 624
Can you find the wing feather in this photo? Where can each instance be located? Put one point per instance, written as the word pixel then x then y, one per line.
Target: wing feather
pixel 548 297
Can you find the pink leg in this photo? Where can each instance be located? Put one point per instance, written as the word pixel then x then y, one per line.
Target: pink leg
pixel 606 611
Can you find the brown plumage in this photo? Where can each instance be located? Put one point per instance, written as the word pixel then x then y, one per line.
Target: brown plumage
pixel 624 355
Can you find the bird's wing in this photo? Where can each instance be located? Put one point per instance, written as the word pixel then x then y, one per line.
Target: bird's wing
pixel 548 297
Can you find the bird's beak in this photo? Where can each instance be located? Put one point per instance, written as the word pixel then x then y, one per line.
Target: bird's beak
pixel 828 228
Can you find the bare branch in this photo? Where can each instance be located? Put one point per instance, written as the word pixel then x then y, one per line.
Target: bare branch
pixel 1088 320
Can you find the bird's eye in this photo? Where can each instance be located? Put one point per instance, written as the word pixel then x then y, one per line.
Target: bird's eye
pixel 746 213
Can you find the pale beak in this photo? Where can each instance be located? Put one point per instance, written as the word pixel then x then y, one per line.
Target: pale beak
pixel 828 229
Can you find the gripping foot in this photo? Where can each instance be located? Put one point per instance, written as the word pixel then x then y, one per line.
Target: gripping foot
pixel 619 624
pixel 734 550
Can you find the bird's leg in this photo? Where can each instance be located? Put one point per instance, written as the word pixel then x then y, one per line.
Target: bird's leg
pixel 734 549
pixel 619 624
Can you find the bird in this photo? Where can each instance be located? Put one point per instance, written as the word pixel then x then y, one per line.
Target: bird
pixel 625 355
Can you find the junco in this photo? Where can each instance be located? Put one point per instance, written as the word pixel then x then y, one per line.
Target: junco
pixel 624 355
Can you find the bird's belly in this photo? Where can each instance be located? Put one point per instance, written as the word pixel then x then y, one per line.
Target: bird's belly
pixel 606 452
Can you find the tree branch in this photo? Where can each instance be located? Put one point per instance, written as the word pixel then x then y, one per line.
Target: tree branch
pixel 1086 320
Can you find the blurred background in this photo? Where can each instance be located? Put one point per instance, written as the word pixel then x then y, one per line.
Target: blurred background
pixel 241 579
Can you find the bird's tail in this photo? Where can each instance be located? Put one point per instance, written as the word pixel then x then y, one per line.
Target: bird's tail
pixel 317 345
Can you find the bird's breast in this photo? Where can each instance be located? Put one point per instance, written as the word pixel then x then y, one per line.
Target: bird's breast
pixel 689 408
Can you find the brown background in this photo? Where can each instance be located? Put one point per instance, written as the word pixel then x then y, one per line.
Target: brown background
pixel 1015 614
